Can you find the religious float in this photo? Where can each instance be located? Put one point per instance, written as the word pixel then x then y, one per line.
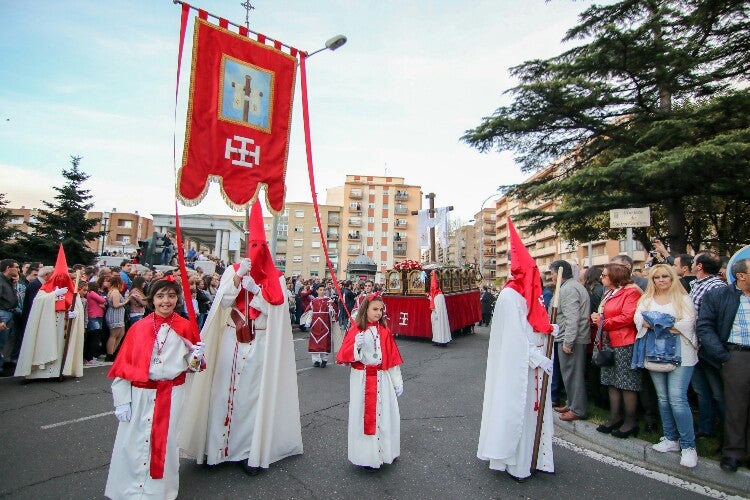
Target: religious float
pixel 408 306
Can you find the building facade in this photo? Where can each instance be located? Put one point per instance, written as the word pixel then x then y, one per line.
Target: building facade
pixel 377 221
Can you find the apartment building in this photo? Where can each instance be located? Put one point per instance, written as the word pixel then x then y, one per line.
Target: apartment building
pixel 122 230
pixel 377 220
pixel 547 246
pixel 299 251
pixel 484 243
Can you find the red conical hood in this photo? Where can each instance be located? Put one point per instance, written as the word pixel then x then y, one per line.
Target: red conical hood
pixel 263 269
pixel 434 289
pixel 526 280
pixel 60 279
pixel 257 228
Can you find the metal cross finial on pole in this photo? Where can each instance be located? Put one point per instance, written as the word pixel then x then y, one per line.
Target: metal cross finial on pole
pixel 248 7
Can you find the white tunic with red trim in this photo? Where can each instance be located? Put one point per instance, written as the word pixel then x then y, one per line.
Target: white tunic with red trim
pixel 511 392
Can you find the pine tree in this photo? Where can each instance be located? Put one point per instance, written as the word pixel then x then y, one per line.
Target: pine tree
pixel 7 231
pixel 653 110
pixel 64 221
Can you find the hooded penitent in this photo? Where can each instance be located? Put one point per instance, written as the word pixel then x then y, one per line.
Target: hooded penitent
pixel 60 279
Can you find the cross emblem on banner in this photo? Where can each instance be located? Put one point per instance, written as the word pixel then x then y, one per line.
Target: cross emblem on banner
pixel 403 319
pixel 243 152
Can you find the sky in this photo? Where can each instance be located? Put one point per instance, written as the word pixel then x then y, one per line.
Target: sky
pixel 96 79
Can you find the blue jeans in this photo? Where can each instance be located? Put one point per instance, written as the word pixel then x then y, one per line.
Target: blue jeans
pixel 708 387
pixel 676 417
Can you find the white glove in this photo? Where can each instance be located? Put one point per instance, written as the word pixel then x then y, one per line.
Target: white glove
pixel 59 292
pixel 245 266
pixel 555 330
pixel 546 364
pixel 72 314
pixel 359 340
pixel 399 389
pixel 123 412
pixel 249 284
pixel 198 349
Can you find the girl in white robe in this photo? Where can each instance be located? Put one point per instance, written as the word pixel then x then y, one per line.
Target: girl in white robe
pixel 375 382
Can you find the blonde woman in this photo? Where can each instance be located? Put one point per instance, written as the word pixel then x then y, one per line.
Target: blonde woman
pixel 665 294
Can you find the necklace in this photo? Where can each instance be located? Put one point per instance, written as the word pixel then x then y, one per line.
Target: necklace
pixel 375 341
pixel 160 347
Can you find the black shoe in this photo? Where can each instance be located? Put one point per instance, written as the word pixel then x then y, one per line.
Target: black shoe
pixel 323 363
pixel 729 464
pixel 316 364
pixel 606 429
pixel 249 470
pixel 619 433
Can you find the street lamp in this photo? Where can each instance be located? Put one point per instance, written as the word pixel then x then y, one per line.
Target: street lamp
pixel 331 44
pixel 481 231
pixel 105 218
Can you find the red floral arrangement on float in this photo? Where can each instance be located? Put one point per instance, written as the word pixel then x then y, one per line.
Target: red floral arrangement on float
pixel 407 265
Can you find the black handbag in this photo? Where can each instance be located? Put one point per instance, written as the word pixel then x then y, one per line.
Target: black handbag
pixel 603 355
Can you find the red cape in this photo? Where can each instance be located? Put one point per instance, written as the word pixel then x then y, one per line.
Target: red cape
pixel 134 359
pixel 391 354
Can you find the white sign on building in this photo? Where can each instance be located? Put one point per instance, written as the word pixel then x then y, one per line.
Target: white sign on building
pixel 630 217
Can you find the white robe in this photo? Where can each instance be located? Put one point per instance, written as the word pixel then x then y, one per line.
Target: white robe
pixel 43 341
pixel 129 470
pixel 265 420
pixel 441 328
pixel 511 389
pixel 385 445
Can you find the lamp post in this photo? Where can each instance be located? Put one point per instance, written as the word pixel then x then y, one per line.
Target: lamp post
pixel 105 218
pixel 481 231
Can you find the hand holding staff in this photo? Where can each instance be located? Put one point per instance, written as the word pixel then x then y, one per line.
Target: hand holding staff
pixel 69 325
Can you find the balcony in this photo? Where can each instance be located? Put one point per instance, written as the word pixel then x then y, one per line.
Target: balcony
pixel 399 237
pixel 401 209
pixel 354 236
pixel 402 195
pixel 333 221
pixel 355 194
pixel 355 207
pixel 355 222
pixel 354 250
pixel 399 252
pixel 400 223
pixel 332 235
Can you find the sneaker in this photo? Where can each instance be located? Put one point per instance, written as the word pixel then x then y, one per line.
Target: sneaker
pixel 665 445
pixel 689 457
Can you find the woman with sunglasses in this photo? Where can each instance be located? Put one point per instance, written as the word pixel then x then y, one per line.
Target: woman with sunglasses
pixel 665 294
pixel 616 313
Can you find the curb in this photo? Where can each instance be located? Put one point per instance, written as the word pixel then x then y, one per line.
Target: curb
pixel 707 472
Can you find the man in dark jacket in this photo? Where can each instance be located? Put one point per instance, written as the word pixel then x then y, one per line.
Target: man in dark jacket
pixel 724 331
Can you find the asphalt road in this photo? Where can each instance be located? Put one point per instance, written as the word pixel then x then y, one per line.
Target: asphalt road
pixel 57 439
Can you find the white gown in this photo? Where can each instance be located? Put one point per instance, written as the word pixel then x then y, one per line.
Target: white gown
pixel 129 471
pixel 441 328
pixel 385 445
pixel 511 390
pixel 43 341
pixel 264 421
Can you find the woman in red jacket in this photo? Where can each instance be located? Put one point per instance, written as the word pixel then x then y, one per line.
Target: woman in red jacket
pixel 616 311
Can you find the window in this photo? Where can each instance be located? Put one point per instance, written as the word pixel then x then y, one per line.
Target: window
pixel 371 206
pixel 16 219
pixel 299 229
pixel 370 248
pixel 383 263
pixel 297 258
pixel 385 234
pixel 315 258
pixel 315 244
pixel 125 224
pixel 316 230
pixel 371 219
pixel 125 240
pixel 333 246
pixel 300 214
pixel 297 242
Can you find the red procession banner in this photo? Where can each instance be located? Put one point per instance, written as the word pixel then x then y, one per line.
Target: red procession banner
pixel 239 119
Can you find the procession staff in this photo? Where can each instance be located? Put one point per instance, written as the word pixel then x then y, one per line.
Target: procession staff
pixel 545 377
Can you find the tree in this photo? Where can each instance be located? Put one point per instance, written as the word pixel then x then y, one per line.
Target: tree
pixel 64 221
pixel 7 231
pixel 650 111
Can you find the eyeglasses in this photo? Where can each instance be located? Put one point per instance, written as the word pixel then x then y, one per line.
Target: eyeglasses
pixel 662 277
